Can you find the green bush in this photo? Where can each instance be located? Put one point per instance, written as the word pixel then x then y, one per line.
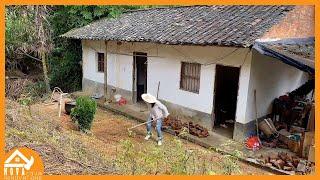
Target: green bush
pixel 84 112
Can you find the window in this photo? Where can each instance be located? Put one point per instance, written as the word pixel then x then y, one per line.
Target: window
pixel 100 62
pixel 190 77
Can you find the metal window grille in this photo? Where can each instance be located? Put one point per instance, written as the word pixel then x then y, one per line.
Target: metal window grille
pixel 100 62
pixel 190 77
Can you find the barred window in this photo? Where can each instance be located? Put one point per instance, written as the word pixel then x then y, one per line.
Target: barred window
pixel 190 77
pixel 100 62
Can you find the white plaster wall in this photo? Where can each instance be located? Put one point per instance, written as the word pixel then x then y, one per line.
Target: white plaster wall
pixel 90 60
pixel 165 65
pixel 119 66
pixel 243 88
pixel 120 71
pixel 271 78
pixel 167 71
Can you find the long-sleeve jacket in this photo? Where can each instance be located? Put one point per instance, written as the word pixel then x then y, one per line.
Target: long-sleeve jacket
pixel 159 111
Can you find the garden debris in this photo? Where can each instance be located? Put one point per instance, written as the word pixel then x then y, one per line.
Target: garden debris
pixel 286 162
pixel 290 116
pixel 292 111
pixel 14 88
pixel 293 116
pixel 177 125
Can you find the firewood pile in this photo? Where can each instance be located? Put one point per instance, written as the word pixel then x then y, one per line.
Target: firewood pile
pixel 286 162
pixel 177 125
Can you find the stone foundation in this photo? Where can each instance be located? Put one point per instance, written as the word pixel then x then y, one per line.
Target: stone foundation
pixel 242 131
pixel 92 87
pixel 192 115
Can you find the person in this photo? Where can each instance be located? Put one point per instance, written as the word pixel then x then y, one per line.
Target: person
pixel 158 112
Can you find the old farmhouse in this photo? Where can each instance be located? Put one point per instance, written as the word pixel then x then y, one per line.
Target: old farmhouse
pixel 204 62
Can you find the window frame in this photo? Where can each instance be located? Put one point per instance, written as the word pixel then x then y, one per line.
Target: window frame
pixel 195 77
pixel 99 63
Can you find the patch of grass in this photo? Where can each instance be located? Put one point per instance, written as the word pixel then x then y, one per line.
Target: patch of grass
pixel 173 158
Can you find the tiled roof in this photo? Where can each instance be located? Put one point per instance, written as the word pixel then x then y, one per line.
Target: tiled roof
pixel 189 25
pixel 296 52
pixel 302 50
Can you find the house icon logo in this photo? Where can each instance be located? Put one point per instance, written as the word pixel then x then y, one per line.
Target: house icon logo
pixel 22 163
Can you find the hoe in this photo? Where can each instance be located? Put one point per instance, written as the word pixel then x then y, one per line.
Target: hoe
pixel 130 129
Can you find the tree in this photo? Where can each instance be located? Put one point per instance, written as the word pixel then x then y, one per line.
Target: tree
pixel 19 36
pixel 28 35
pixel 43 38
pixel 32 37
pixel 64 62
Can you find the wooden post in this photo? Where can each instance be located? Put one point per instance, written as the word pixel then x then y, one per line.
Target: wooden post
pixel 106 71
pixel 158 90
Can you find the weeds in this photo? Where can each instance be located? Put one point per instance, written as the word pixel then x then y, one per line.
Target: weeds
pixel 173 159
pixel 25 91
pixel 15 87
pixel 230 165
pixel 63 152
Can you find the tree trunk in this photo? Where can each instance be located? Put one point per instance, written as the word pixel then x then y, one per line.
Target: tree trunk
pixel 45 71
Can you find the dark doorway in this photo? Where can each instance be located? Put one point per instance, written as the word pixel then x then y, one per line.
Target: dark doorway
pixel 225 99
pixel 141 74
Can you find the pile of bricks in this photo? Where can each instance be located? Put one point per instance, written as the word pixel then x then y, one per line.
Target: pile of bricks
pixel 177 125
pixel 286 162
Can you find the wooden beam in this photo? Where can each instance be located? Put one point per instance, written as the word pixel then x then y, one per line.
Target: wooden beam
pixel 133 55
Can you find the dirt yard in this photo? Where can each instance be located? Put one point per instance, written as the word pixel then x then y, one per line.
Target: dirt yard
pixel 110 145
